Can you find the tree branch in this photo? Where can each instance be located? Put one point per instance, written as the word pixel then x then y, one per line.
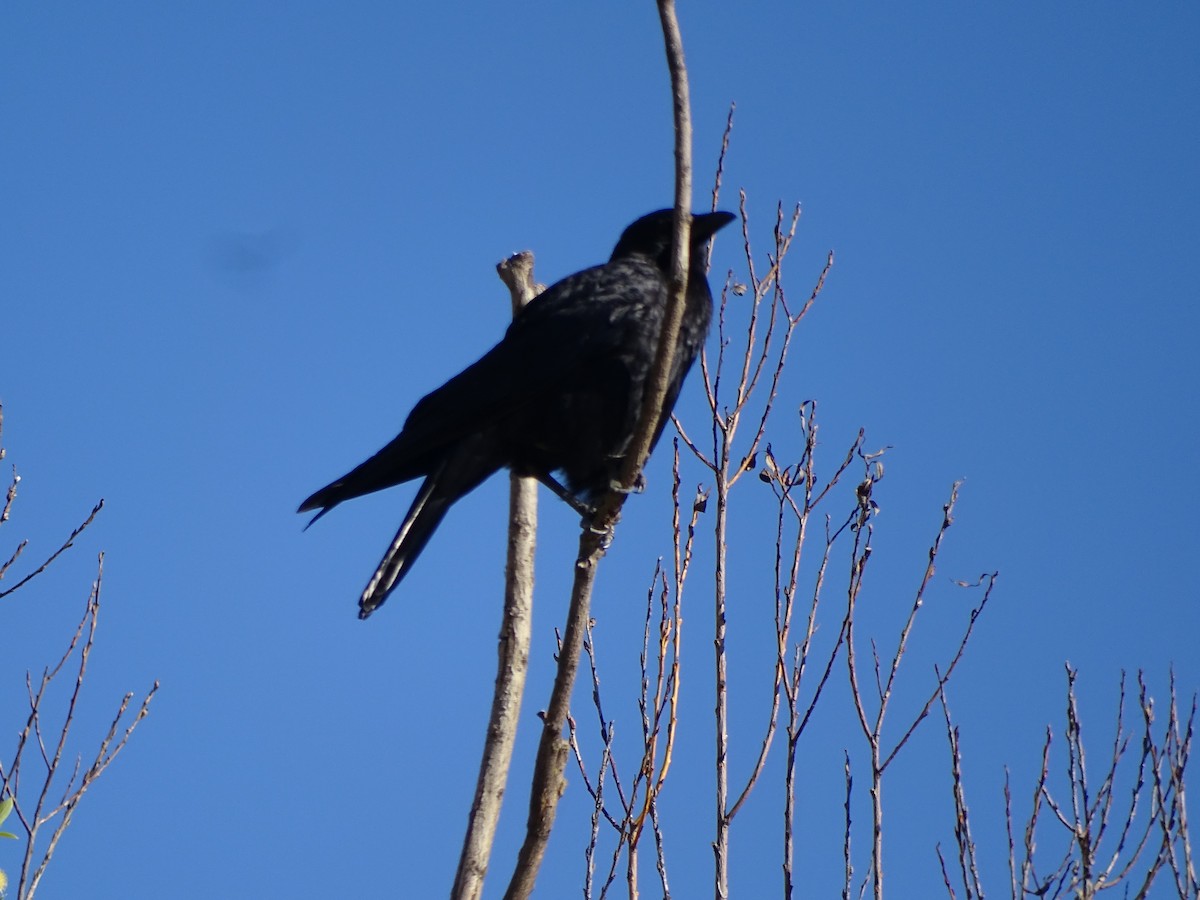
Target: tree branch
pixel 548 778
pixel 513 651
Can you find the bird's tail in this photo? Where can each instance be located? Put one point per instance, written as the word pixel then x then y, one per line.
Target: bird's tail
pixel 419 524
pixel 392 465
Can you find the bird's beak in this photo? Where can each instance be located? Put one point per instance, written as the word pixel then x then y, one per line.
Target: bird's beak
pixel 705 225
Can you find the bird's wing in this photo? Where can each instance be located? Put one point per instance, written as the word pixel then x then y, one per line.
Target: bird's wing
pixel 558 342
pixel 553 344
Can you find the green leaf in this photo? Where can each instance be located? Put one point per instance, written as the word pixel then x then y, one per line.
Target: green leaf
pixel 6 808
pixel 7 834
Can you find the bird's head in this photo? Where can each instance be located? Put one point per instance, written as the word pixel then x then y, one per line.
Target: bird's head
pixel 651 235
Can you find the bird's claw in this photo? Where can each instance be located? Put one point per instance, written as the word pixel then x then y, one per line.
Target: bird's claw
pixel 605 535
pixel 638 486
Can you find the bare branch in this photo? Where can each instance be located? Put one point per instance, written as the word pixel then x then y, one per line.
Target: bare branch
pixel 968 863
pixel 513 650
pixel 67 544
pixel 42 811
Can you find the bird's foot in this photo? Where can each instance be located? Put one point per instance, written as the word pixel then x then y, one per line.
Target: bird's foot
pixel 605 534
pixel 638 486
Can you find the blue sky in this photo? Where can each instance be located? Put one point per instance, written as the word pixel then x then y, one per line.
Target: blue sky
pixel 239 241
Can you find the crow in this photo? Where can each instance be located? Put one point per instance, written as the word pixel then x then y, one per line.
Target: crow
pixel 560 393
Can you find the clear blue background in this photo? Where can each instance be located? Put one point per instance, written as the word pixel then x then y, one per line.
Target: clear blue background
pixel 239 240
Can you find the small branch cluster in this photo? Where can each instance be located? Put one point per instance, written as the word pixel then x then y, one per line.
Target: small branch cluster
pixel 658 701
pixel 44 784
pixel 770 325
pixel 1125 831
pixel 873 712
pixel 742 384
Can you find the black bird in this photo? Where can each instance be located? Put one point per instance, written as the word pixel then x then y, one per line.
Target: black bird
pixel 560 393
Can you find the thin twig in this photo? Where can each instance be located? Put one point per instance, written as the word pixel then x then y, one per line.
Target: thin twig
pixel 67 544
